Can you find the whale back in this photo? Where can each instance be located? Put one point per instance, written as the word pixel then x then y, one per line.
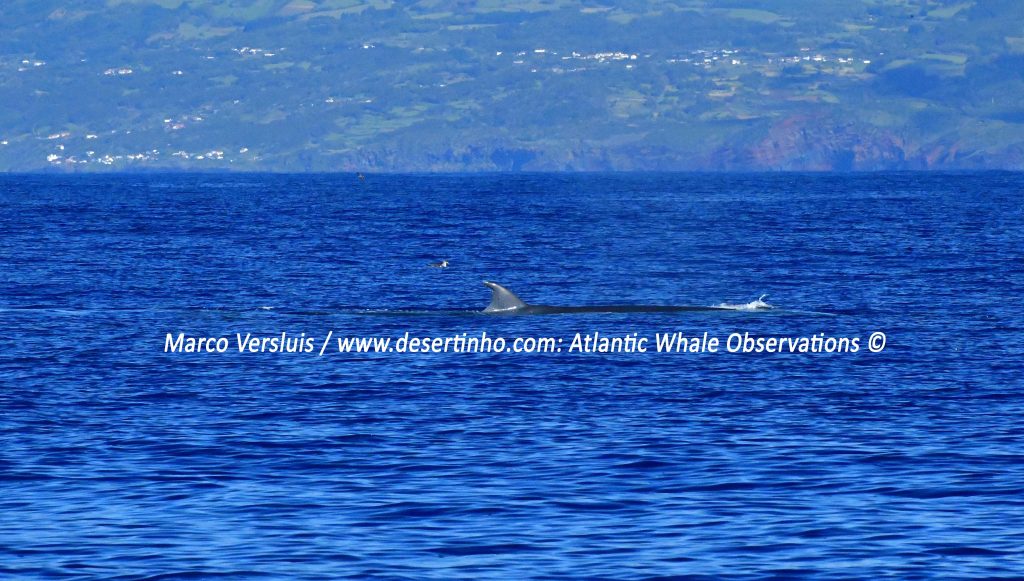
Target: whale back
pixel 502 299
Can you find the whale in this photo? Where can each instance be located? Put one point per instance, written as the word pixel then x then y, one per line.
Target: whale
pixel 505 302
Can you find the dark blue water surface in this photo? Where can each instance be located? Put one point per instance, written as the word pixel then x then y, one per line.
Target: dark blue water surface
pixel 119 460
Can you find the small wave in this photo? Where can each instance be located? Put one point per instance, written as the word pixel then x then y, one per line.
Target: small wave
pixel 751 306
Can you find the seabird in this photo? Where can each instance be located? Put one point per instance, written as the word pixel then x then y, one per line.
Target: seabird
pixel 442 264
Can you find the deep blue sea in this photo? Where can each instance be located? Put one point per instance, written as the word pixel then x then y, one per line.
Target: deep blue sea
pixel 121 460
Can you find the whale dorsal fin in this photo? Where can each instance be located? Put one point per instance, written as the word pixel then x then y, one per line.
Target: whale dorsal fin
pixel 502 299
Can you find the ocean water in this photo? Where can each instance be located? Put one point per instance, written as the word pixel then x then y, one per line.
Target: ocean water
pixel 119 459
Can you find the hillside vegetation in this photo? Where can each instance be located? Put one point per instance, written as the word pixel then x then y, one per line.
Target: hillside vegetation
pixel 439 85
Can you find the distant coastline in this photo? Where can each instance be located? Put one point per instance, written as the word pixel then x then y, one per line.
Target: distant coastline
pixel 561 85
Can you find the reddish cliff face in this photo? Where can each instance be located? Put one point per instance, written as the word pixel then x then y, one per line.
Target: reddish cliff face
pixel 815 143
pixel 819 143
